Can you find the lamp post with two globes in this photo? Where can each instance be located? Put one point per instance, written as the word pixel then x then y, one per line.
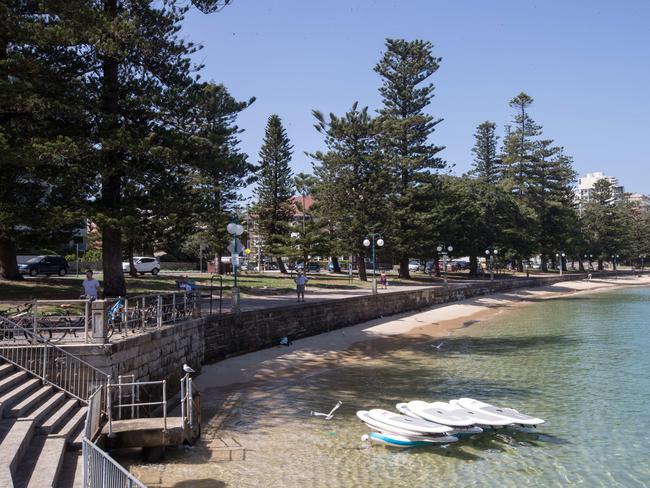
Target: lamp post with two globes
pixel 372 239
pixel 561 255
pixel 444 250
pixel 491 252
pixel 235 229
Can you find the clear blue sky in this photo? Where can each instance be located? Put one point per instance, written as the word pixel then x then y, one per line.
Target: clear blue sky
pixel 586 63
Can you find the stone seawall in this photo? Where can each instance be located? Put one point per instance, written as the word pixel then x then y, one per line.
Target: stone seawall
pixel 161 353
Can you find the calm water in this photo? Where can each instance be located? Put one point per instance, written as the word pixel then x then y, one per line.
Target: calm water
pixel 582 363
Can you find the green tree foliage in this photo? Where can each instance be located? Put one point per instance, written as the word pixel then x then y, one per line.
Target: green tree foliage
pixel 606 222
pixel 352 185
pixel 403 135
pixel 275 187
pixel 486 165
pixel 41 132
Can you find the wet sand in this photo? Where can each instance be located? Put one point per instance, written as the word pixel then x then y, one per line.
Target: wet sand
pixel 358 342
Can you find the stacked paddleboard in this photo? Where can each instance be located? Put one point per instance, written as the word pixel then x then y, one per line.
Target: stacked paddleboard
pixel 422 423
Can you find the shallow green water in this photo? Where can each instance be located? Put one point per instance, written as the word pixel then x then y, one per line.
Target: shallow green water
pixel 582 363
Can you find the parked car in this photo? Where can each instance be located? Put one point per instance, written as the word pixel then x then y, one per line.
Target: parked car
pixel 460 264
pixel 47 265
pixel 414 266
pixel 143 264
pixel 311 267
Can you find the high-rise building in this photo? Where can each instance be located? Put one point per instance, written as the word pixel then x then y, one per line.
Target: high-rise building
pixel 586 186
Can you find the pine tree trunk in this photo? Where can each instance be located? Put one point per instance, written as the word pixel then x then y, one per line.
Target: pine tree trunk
pixel 8 261
pixel 219 266
pixel 543 266
pixel 132 271
pixel 281 266
pixel 581 265
pixel 404 269
pixel 600 265
pixel 361 267
pixel 473 265
pixel 336 267
pixel 114 284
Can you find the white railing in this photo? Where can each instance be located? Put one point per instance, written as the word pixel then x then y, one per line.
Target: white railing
pixel 187 401
pixel 135 404
pixel 102 471
pixel 49 362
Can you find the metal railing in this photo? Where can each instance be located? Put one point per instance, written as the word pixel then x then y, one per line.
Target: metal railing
pixel 54 320
pixel 102 471
pixel 49 362
pixel 69 321
pixel 187 401
pixel 135 404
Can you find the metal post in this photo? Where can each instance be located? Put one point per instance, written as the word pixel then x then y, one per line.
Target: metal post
pixel 374 277
pixel 173 305
pixel 491 267
pixel 44 363
pixel 35 319
pixel 190 400
pixel 108 407
pixel 183 399
pixel 165 405
pixel 126 315
pixel 143 312
pixel 444 261
pixel 87 313
pixel 159 311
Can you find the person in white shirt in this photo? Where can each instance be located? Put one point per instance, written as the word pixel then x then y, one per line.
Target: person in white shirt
pixel 90 286
pixel 301 281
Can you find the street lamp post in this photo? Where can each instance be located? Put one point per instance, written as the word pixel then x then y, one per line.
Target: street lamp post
pixel 234 229
pixel 373 238
pixel 614 260
pixel 560 255
pixel 642 257
pixel 444 250
pixel 491 252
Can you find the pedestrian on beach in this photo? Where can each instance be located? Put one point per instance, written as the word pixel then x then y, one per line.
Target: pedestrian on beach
pixel 301 281
pixel 383 280
pixel 90 286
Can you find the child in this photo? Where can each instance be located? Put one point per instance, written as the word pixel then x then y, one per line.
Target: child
pixel 301 281
pixel 383 280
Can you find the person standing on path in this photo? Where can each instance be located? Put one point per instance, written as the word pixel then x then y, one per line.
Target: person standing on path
pixel 301 281
pixel 383 280
pixel 90 286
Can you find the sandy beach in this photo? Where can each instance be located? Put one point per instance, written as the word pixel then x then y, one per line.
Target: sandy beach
pixel 351 343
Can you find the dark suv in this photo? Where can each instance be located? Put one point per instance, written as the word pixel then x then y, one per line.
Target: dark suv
pixel 47 265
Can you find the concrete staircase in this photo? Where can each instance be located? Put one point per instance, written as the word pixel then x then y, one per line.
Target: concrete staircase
pixel 40 433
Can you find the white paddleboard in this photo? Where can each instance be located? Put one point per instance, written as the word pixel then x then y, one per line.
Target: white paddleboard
pixel 512 415
pixel 442 413
pixel 460 431
pixel 400 424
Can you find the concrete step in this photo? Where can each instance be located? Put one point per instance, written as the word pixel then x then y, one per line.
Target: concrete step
pixel 76 444
pixel 16 394
pixel 60 415
pixel 6 369
pixel 44 410
pixel 29 403
pixel 12 449
pixel 48 465
pixel 8 382
pixel 72 425
pixel 71 474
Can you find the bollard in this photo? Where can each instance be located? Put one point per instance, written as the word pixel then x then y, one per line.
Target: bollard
pixel 99 322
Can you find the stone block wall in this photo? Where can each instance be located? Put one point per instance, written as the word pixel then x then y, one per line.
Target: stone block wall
pixel 161 353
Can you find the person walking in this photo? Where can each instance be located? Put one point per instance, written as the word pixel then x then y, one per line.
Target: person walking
pixel 90 286
pixel 301 281
pixel 383 280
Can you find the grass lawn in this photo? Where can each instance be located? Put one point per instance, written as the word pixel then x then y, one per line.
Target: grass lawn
pixel 69 287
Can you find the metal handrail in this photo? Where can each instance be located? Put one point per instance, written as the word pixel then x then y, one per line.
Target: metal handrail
pixel 135 404
pixel 52 364
pixel 101 470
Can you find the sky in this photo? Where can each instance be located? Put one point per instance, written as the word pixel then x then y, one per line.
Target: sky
pixel 585 62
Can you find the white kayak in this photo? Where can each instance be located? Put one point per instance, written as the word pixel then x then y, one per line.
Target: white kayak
pixel 457 430
pixel 509 414
pixel 386 421
pixel 396 440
